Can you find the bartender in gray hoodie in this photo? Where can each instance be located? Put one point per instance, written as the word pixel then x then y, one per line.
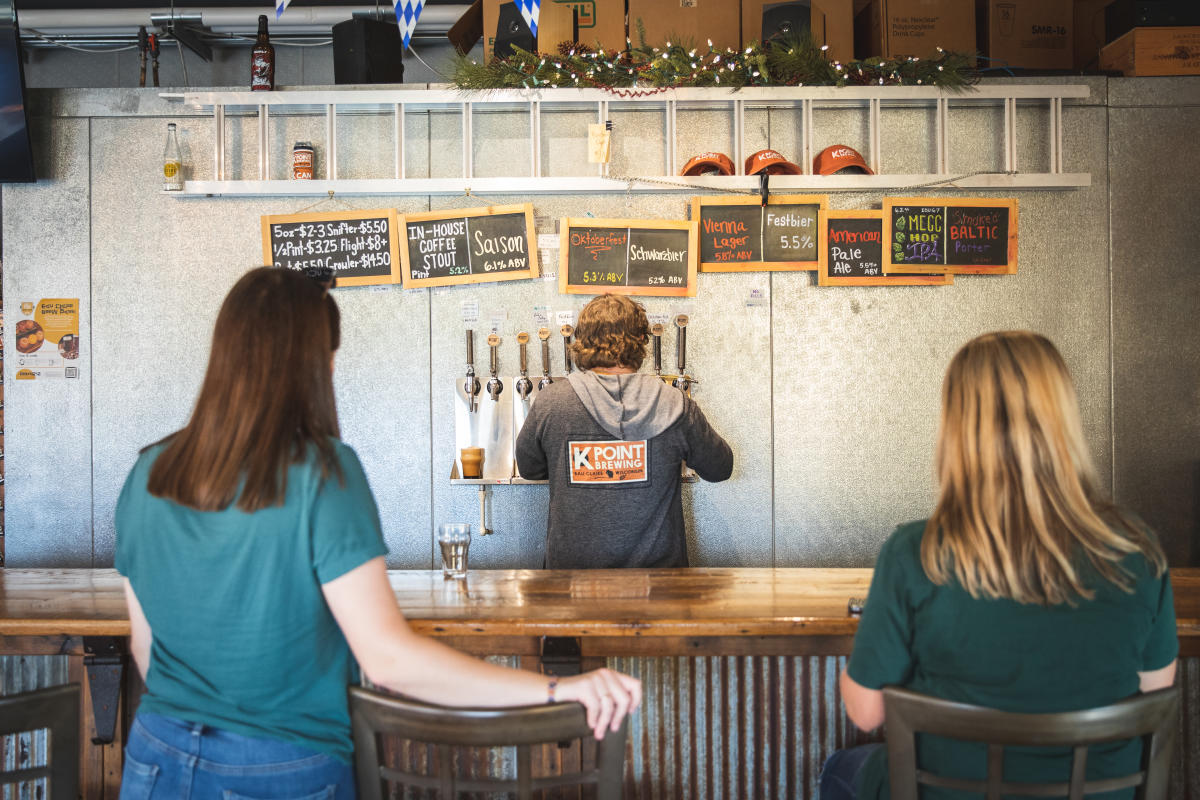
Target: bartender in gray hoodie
pixel 612 442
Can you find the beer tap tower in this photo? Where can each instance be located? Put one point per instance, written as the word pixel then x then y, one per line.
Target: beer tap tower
pixel 527 391
pixel 484 418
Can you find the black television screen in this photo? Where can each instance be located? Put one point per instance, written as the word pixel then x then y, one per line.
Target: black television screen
pixel 16 154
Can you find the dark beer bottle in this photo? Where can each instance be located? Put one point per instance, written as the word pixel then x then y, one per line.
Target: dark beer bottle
pixel 262 59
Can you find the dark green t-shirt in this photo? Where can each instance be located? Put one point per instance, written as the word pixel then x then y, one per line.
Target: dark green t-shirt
pixel 242 637
pixel 940 641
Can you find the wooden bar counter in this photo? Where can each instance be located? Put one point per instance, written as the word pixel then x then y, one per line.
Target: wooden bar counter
pixel 729 608
pixel 739 665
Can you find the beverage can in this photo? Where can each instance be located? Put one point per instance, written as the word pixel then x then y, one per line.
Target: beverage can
pixel 302 161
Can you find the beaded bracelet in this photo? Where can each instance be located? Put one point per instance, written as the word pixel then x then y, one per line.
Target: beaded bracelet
pixel 550 687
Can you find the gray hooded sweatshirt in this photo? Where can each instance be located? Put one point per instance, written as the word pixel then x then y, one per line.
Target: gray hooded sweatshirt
pixel 612 447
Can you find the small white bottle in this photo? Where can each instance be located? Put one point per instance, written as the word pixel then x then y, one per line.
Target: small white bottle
pixel 172 163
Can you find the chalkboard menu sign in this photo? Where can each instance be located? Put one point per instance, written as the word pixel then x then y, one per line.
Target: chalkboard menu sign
pixel 970 236
pixel 628 256
pixel 739 234
pixel 853 254
pixel 358 246
pixel 469 245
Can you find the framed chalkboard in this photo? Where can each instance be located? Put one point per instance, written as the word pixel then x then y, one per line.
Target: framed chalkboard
pixel 853 254
pixel 739 234
pixel 358 246
pixel 628 256
pixel 469 245
pixel 968 236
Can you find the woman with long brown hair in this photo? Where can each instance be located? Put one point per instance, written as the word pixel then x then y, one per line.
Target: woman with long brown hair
pixel 252 554
pixel 1026 590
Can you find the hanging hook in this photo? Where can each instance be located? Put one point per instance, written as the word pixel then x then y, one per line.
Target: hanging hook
pixel 763 192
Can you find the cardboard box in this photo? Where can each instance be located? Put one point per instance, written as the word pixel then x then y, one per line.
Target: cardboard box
pixel 1154 51
pixel 1026 34
pixel 832 24
pixel 902 28
pixel 1088 33
pixel 601 23
pixel 694 21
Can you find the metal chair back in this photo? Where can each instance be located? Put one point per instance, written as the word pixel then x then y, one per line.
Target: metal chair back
pixel 57 710
pixel 1151 717
pixel 374 714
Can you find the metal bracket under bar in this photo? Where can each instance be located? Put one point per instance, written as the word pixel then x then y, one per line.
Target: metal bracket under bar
pixel 739 134
pixel 535 139
pixel 1056 135
pixel 1010 134
pixel 942 133
pixel 806 136
pixel 670 137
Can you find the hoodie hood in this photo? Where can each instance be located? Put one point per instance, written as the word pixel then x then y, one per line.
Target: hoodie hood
pixel 634 406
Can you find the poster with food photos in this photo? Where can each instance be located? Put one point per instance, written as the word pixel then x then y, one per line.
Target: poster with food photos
pixel 47 339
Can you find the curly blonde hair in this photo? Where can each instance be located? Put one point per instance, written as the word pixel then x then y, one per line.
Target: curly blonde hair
pixel 612 332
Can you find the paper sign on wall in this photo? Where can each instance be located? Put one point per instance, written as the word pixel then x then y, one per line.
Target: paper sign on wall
pixel 48 339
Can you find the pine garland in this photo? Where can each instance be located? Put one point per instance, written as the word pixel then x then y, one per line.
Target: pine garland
pixel 792 62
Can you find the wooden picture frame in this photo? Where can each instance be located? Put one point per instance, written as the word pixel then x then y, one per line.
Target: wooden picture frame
pixel 950 207
pixel 687 273
pixel 826 278
pixel 330 218
pixel 532 269
pixel 821 201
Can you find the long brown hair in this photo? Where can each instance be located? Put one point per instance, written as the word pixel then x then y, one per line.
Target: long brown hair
pixel 1019 512
pixel 612 332
pixel 267 397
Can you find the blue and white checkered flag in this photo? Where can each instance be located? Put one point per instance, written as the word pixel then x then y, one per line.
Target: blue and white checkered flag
pixel 530 9
pixel 280 5
pixel 407 12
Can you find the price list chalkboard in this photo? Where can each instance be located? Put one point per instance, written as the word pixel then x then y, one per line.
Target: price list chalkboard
pixel 469 245
pixel 739 234
pixel 359 247
pixel 927 234
pixel 853 254
pixel 628 256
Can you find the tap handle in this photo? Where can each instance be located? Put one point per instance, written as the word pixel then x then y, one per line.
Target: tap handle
pixel 523 341
pixel 656 331
pixel 681 322
pixel 471 348
pixel 494 342
pixel 567 331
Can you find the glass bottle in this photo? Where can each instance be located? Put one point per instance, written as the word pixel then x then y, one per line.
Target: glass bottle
pixel 262 59
pixel 172 162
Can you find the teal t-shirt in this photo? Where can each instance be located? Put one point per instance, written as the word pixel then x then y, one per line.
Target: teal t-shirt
pixel 242 637
pixel 940 641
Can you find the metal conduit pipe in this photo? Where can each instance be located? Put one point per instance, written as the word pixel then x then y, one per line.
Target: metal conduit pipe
pixel 296 20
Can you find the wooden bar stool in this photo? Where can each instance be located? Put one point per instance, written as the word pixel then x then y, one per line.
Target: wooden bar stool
pixel 374 714
pixel 57 710
pixel 1151 717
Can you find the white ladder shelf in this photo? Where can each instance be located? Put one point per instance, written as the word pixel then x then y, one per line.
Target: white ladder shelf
pixel 396 102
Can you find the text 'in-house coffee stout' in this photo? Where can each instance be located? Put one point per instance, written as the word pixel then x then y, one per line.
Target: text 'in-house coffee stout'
pixel 262 60
pixel 469 245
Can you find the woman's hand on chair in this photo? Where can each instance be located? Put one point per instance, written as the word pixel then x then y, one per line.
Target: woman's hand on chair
pixel 606 695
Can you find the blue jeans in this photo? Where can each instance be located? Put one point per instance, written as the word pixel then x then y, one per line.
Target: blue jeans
pixel 839 776
pixel 169 758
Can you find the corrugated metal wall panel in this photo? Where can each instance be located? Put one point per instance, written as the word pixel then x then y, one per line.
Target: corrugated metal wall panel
pixel 711 728
pixel 734 726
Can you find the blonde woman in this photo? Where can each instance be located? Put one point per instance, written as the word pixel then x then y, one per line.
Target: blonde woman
pixel 1025 591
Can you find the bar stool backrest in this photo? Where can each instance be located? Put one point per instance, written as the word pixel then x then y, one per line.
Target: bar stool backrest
pixel 1151 716
pixel 57 710
pixel 374 714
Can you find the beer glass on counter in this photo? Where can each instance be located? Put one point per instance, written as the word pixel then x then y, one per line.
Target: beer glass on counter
pixel 454 540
